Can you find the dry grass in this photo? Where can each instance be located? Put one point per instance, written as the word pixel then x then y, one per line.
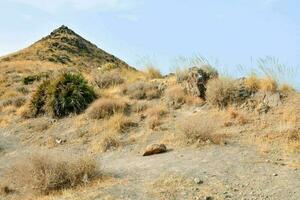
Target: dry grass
pixel 108 79
pixel 268 84
pixel 139 106
pixel 106 107
pixel 237 115
pixel 121 123
pixel 252 83
pixel 106 143
pixel 142 90
pixel 220 92
pixel 175 96
pixel 155 115
pixel 152 73
pixel 286 89
pixel 200 129
pixel 46 173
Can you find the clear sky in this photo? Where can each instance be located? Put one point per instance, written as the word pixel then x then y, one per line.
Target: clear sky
pixel 231 31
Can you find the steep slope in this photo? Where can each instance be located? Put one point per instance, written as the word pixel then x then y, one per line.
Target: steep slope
pixel 63 46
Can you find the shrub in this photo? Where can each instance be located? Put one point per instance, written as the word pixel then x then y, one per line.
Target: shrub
pixel 153 73
pixel 200 129
pixel 252 83
pixel 121 123
pixel 155 115
pixel 30 79
pixel 67 94
pixel 142 90
pixel 44 173
pixel 108 79
pixel 106 107
pixel 39 98
pixel 285 88
pixel 175 96
pixel 221 92
pixel 268 84
pixel 139 106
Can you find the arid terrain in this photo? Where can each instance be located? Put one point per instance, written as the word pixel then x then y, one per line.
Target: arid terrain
pixel 75 122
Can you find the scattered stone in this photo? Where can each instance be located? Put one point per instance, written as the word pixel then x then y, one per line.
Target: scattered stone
pixel 275 174
pixel 155 149
pixel 208 198
pixel 60 141
pixel 198 181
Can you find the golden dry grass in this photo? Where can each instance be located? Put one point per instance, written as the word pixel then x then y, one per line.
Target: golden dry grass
pixel 201 129
pixel 268 84
pixel 121 123
pixel 106 142
pixel 252 83
pixel 220 92
pixel 152 73
pixel 155 115
pixel 175 96
pixel 106 107
pixel 45 173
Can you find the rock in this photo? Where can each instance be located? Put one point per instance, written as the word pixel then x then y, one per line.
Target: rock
pixel 275 174
pixel 155 149
pixel 196 78
pixel 208 198
pixel 198 181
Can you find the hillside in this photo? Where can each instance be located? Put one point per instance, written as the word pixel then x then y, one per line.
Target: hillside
pixel 64 46
pixel 76 122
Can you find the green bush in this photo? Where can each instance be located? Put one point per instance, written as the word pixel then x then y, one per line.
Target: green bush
pixel 38 100
pixel 68 94
pixel 60 97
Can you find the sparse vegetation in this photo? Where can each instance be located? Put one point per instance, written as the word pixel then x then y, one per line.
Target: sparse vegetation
pixel 44 173
pixel 175 96
pixel 220 92
pixel 153 73
pixel 268 84
pixel 200 129
pixel 105 107
pixel 120 123
pixel 108 79
pixel 142 90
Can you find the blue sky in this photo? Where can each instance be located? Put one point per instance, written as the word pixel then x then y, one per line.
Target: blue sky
pixel 230 31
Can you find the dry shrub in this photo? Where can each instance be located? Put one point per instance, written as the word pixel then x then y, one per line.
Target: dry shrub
pixel 200 129
pixel 155 115
pixel 285 88
pixel 121 123
pixel 236 115
pixel 46 173
pixel 157 111
pixel 24 111
pixel 175 96
pixel 106 143
pixel 152 72
pixel 221 92
pixel 252 83
pixel 108 79
pixel 106 107
pixel 193 101
pixel 268 84
pixel 139 106
pixel 142 90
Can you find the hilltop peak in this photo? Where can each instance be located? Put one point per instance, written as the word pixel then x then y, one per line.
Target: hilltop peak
pixel 62 29
pixel 64 46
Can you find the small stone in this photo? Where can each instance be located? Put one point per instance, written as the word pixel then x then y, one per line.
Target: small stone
pixel 198 181
pixel 275 174
pixel 155 149
pixel 208 198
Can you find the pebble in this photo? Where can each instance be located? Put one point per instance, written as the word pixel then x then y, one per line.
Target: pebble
pixel 275 174
pixel 198 181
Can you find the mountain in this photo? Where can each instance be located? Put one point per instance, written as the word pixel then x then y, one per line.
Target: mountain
pixel 63 46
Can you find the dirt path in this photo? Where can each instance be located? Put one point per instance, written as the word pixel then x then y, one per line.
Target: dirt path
pixel 230 172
